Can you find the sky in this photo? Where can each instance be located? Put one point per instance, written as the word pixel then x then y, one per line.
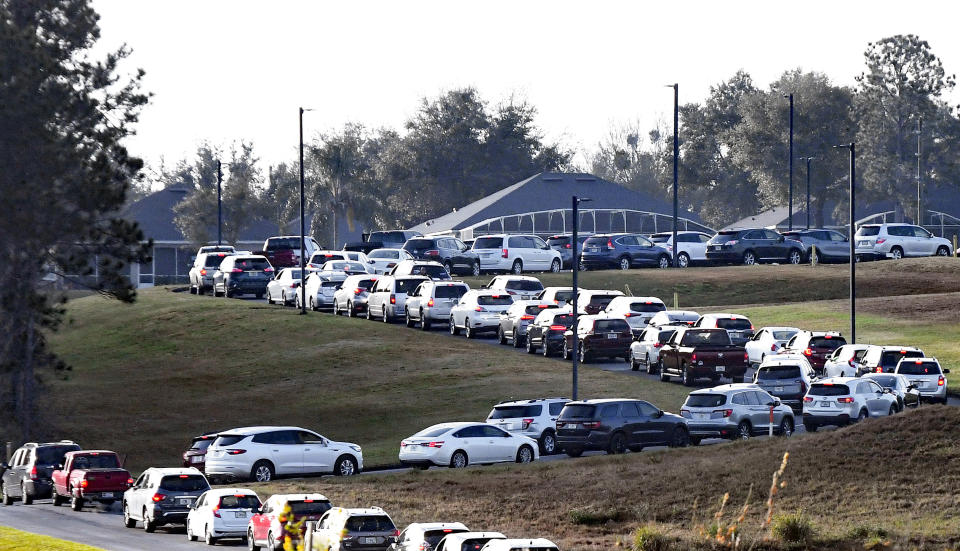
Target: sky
pixel 223 70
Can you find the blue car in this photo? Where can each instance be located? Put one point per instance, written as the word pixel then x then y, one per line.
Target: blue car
pixel 624 251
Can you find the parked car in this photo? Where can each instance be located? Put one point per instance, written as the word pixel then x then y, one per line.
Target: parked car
pixel 27 474
pixel 268 526
pixel 352 295
pixel 884 359
pixel 536 419
pixel 242 275
pixel 222 513
pixel 263 453
pixel 460 444
pixel 599 337
pixel 638 311
pixel 674 317
pixel 735 411
pixel 196 454
pixel 358 256
pixel 320 288
pixel 593 301
pixel 283 251
pixel 557 295
pixel 534 544
pixel 452 253
pixel 392 239
pixel 623 251
pixel 516 253
pixel 515 320
pixel 284 287
pixel 691 246
pixel 844 360
pixel 816 346
pixel 162 496
pixel 738 327
pixel 522 287
pixel 547 330
pixel 843 400
pixel 89 476
pixel 926 375
pixel 340 529
pixel 348 267
pixel 875 241
pixel 383 260
pixel 752 246
pixel 319 258
pixel 617 425
pixel 216 249
pixel 786 376
pixel 645 349
pixel 830 245
pixel 478 312
pixel 906 392
pixel 428 268
pixel 767 341
pixel 431 302
pixel 425 536
pixel 201 274
pixel 699 353
pixel 388 297
pixel 467 541
pixel 563 244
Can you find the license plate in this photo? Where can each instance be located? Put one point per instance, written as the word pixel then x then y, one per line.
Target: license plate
pixel 106 494
pixel 611 335
pixel 720 369
pixel 370 541
pixel 196 459
pixel 240 514
pixel 703 416
pixel 778 389
pixel 184 501
pixel 571 426
pixel 825 404
pixel 864 243
pixel 591 249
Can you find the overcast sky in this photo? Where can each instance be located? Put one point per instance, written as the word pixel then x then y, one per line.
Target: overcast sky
pixel 229 69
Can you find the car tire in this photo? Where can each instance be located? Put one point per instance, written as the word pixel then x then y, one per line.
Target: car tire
pixel 351 313
pixel 680 438
pixel 795 256
pixel 127 521
pixel 251 543
pixel 943 251
pixel 313 303
pixel 518 341
pixel 810 427
pixel 424 322
pixel 459 460
pixel 555 266
pixel 694 440
pixel 861 416
pixel 582 352
pixel 749 258
pixel 683 260
pixel 148 525
pixel 743 430
pixel 25 497
pixel 453 327
pixel 617 445
pixel 786 427
pixel 386 316
pixel 525 454
pixel 345 466
pixel 517 267
pixel 262 471
pixel 623 263
pixel 893 410
pixel 573 452
pixel 190 535
pixel 501 338
pixel 634 364
pixel 448 268
pixel 529 347
pixel 813 257
pixel 467 331
pixel 367 314
pixel 55 499
pixel 548 443
pixel 565 352
pixel 475 271
pixel 336 308
pixel 409 320
pixel 896 253
pixel 76 503
pixel 652 366
pixel 663 262
pixel 664 378
pixel 6 499
pixel 685 376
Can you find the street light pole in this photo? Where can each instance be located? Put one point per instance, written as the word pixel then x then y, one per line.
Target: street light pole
pixel 303 252
pixel 219 205
pixel 676 163
pixel 919 188
pixel 853 257
pixel 808 159
pixel 576 289
pixel 790 198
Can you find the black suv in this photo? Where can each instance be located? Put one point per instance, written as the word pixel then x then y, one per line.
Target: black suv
pixel 239 275
pixel 455 256
pixel 563 244
pixel 27 476
pixel 752 246
pixel 616 426
pixel 622 250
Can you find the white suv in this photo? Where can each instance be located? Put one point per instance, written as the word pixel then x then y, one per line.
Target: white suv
pixel 388 298
pixel 478 311
pixel 638 311
pixel 926 376
pixel 844 400
pixel 738 327
pixel 536 544
pixel 516 253
pixel 370 529
pixel 432 301
pixel 426 536
pixel 536 419
pixel 692 246
pixel 897 241
pixel 523 287
pixel 262 453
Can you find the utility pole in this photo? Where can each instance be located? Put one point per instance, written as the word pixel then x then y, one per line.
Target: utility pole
pixel 676 163
pixel 853 257
pixel 790 199
pixel 576 289
pixel 919 221
pixel 219 205
pixel 808 159
pixel 303 252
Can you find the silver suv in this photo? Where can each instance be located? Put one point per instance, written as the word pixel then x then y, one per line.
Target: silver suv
pixel 786 376
pixel 204 266
pixel 844 400
pixel 897 241
pixel 432 300
pixel 535 419
pixel 734 411
pixel 926 376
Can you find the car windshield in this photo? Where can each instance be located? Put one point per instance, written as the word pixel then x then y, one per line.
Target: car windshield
pixel 830 343
pixel 704 337
pixel 725 236
pixel 407 285
pixel 772 372
pixel 429 270
pixel 494 300
pixel 107 461
pixel 432 432
pixel 309 507
pixel 737 324
pixel 578 411
pixel 890 359
pixel 512 412
pixel 488 243
pixel 868 231
pixel 381 253
pixel 603 326
pixel 783 335
pixel 369 523
pixel 48 456
pixel 225 440
pixel 828 390
pixel 251 264
pixel 647 307
pixel 886 381
pixel 705 400
pixel 201 443
pixel 184 483
pixel 283 243
pixel 239 501
pixel 524 285
pixel 449 291
pixel 918 368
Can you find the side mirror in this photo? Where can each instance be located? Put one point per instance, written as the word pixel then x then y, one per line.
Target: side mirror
pixel 659 414
pixel 4 466
pixel 911 387
pixel 780 239
pixel 59 467
pixel 946 371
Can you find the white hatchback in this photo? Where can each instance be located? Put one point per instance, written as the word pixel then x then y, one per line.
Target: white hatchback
pixel 691 246
pixel 222 513
pixel 460 444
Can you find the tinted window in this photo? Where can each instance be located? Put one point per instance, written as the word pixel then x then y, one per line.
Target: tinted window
pixel 737 324
pixel 524 285
pixel 433 537
pixel 212 261
pixel 647 307
pixel 383 254
pixel 694 338
pixel 724 236
pixel 331 284
pixel 664 336
pixel 830 343
pixel 431 432
pixel 665 238
pixel 311 507
pixel 474 431
pixel 919 368
pixel 828 390
pixel 536 309
pixel 108 461
pixel 248 264
pixel 229 439
pixel 868 231
pixel 428 270
pixel 491 431
pixel 184 483
pixel 201 444
pixel 277 437
pixel 48 456
pixel 283 243
pixel 366 284
pixel 920 232
pixel 629 409
pixel 601 301
pixel 239 501
pixel 563 296
pixel 705 400
pixel 888 381
pixel 326 257
pixel 391 236
pixel 596 242
pixel 488 243
pixel 578 411
pixel 494 300
pixel 783 335
pixel 449 291
pixel 890 359
pixel 778 372
pixel 559 242
pixel 740 399
pixel 627 240
pixel 509 412
pixel 369 523
pixel 563 319
pixel 609 410
pixel 647 409
pixel 644 242
pixel 556 407
pixel 603 326
pixel 419 244
pixel 407 285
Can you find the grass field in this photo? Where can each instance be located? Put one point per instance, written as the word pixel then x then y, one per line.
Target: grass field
pixel 16 540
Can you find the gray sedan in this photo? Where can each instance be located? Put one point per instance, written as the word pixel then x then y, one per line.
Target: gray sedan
pixel 830 245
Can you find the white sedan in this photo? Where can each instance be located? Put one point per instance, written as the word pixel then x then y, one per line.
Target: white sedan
pixel 222 513
pixel 460 444
pixel 767 341
pixel 320 288
pixel 283 288
pixel 382 261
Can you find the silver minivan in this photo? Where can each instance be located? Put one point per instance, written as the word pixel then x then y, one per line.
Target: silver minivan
pixel 388 297
pixel 432 300
pixel 734 411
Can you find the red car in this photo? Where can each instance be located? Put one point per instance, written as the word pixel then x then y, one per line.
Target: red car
pixel 90 475
pixel 816 346
pixel 267 527
pixel 197 454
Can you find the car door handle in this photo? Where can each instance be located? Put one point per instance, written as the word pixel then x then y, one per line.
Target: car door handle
pixel 276 450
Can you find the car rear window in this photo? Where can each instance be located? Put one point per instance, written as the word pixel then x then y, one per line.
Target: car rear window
pixel 251 264
pixel 560 242
pixel 704 337
pixel 601 300
pixel 239 501
pixel 725 236
pixel 596 242
pixel 433 537
pixel 736 324
pixel 783 335
pixel 474 544
pixel 488 243
pixel 891 358
pixel 283 243
pixel 449 291
pixel 868 231
pixel 428 270
pixel 431 432
pixel 646 307
pixel 512 412
pixel 494 300
pixel 369 523
pixel 309 507
pixel 366 284
pixel 106 461
pixel 418 244
pixel 48 456
pixel 830 343
pixel 213 261
pixel 331 284
pixel 383 254
pixel 523 285
pixel 919 368
pixel 661 238
pixel 535 309
pixel 563 296
pixel 886 381
pixel 563 319
pixel 228 439
pixel 326 257
pixel 664 336
pixel 184 483
pixel 391 236
pixel 603 326
pixel 578 411
pixel 705 400
pixel 201 443
pixel 407 285
pixel 828 390
pixel 778 372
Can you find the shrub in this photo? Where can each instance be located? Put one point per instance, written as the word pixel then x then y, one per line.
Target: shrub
pixel 592 518
pixel 795 528
pixel 647 538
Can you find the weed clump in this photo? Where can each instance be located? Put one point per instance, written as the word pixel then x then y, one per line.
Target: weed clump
pixel 792 528
pixel 648 538
pixel 593 518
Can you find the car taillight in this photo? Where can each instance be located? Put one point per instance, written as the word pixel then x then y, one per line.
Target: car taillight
pixel 505 254
pixel 358 291
pixel 216 511
pixel 879 369
pixel 850 362
pixel 129 482
pixel 773 347
pixel 591 424
pixel 845 400
pixel 84 483
pixel 561 424
pixel 294 285
pixel 941 381
pixel 610 244
pixel 203 272
pixel 568 246
pixel 526 317
pixel 627 315
pixel 724 412
pixel 746 357
pixel 803 387
pixel 881 241
pixel 237 271
pixel 558 327
pixel 527 423
pixel 480 309
pixel 393 298
pixel 430 302
pixel 693 358
pixel 396 533
pixel 808 352
pixel 157 498
pixel 438 444
pixel 657 344
pixel 271 269
pixel 33 472
pixel 236 452
pixel 807 399
pixel 432 252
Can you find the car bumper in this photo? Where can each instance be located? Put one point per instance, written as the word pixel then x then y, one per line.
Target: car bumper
pixel 247 288
pixel 436 314
pixel 484 324
pixel 598 261
pixel 39 489
pixel 105 496
pixel 227 469
pixel 589 442
pixel 836 419
pixel 724 256
pixel 169 516
pixel 702 429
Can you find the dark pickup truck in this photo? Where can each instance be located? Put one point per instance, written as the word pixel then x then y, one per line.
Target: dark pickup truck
pixel 696 353
pixel 283 251
pixel 90 475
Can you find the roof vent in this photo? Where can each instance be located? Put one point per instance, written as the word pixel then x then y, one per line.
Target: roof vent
pixel 586 179
pixel 552 178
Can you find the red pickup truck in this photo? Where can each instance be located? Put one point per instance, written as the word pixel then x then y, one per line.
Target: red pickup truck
pixel 90 475
pixel 283 251
pixel 697 353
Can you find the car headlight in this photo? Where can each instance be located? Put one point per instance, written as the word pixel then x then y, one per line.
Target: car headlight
pixel 355 448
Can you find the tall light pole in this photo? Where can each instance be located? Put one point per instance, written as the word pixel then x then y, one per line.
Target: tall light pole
pixel 219 205
pixel 808 159
pixel 303 252
pixel 790 195
pixel 853 257
pixel 576 289
pixel 676 163
pixel 919 188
